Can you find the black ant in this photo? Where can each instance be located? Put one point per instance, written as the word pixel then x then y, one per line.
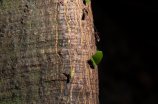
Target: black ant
pixel 90 62
pixel 97 38
pixel 68 77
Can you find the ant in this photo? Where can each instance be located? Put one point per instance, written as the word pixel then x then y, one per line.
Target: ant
pixel 68 77
pixel 96 35
pixel 62 3
pixel 90 63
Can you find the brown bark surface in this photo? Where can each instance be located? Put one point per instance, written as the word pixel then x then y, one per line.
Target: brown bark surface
pixel 40 40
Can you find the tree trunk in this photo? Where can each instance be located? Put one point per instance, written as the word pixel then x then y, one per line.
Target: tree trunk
pixel 39 41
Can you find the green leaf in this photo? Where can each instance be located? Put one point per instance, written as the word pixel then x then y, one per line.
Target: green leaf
pixel 87 0
pixel 97 57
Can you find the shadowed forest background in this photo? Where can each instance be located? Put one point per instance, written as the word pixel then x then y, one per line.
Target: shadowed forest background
pixel 128 73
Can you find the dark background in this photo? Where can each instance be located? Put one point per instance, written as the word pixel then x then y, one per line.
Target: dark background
pixel 128 73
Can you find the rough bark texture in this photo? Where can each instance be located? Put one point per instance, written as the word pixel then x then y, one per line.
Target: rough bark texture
pixel 40 40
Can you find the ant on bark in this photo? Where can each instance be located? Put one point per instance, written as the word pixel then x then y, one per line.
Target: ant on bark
pixel 62 3
pixel 97 38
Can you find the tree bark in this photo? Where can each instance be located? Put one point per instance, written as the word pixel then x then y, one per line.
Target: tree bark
pixel 39 41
